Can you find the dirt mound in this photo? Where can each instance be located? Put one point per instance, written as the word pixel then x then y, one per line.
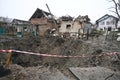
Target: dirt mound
pixel 95 73
pixel 62 46
pixel 58 46
pixel 34 73
pixel 46 73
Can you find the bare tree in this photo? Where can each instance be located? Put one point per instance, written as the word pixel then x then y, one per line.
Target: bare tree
pixel 117 7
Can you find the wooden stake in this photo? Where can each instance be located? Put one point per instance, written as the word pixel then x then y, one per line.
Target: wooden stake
pixel 8 59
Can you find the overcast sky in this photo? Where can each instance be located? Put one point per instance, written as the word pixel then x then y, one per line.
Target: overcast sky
pixel 23 9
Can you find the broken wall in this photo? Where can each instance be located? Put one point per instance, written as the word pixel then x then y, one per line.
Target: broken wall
pixel 43 25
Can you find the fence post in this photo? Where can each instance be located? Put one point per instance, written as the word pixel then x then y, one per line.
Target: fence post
pixel 8 59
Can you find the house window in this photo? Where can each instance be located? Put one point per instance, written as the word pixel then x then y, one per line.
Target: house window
pixel 107 23
pixel 68 26
pixel 59 26
pixel 101 29
pixel 112 22
pixel 105 28
pixel 109 28
pixel 102 23
pixel 25 28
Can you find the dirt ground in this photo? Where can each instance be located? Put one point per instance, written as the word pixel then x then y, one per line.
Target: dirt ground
pixel 27 67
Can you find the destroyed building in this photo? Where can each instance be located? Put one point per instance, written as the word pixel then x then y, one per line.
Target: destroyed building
pixel 74 26
pixel 42 20
pixel 22 27
pixel 42 23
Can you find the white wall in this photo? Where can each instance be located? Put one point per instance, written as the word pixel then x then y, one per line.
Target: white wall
pixel 109 20
pixel 118 26
pixel 62 28
pixel 75 26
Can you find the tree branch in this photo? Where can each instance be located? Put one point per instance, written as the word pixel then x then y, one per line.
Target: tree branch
pixel 113 11
pixel 116 8
pixel 109 76
pixel 111 8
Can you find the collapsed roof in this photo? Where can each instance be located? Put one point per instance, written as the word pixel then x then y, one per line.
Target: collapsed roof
pixel 66 18
pixel 20 22
pixel 83 18
pixel 40 13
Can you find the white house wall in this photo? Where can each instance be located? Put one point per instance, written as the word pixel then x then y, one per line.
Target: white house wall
pixel 105 25
pixel 76 26
pixel 63 29
pixel 118 24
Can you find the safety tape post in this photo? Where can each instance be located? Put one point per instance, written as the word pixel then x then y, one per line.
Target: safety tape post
pixel 7 51
pixel 8 58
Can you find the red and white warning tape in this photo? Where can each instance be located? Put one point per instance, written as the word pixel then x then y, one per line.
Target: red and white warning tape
pixel 45 55
pixel 58 56
pixel 7 51
pixel 62 56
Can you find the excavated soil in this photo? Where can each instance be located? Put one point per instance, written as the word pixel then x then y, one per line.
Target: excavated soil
pixel 32 67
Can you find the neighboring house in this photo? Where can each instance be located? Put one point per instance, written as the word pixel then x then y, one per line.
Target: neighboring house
pixel 22 27
pixel 74 26
pixel 42 20
pixel 107 21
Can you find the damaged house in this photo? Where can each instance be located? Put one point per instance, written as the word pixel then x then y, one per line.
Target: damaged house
pixel 65 24
pixel 74 27
pixel 22 27
pixel 42 21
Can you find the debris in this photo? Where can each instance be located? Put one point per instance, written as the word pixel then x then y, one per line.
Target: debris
pixel 31 67
pixel 95 73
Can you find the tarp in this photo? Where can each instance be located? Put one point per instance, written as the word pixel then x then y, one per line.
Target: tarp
pixel 2 30
pixel 19 34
